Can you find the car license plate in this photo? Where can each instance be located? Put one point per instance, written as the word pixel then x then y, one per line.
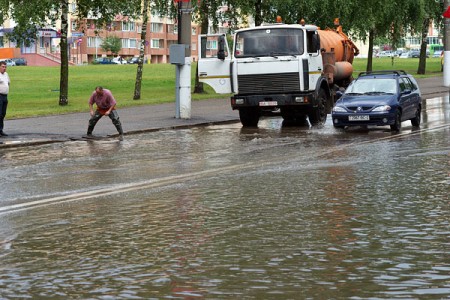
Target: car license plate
pixel 268 103
pixel 359 118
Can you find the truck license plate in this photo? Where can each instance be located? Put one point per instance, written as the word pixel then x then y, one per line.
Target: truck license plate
pixel 268 103
pixel 359 118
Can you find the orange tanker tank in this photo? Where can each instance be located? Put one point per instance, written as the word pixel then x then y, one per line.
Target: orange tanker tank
pixel 338 42
pixel 338 52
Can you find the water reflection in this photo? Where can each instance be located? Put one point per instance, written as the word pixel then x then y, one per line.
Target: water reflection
pixel 225 213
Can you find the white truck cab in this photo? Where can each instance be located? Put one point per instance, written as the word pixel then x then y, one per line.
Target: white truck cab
pixel 271 67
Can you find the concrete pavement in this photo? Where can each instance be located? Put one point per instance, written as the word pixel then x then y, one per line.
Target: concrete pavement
pixel 60 128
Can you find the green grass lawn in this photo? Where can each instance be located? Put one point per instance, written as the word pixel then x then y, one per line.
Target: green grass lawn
pixel 35 90
pixel 410 65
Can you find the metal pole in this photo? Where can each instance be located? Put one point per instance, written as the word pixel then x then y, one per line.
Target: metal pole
pixel 184 37
pixel 446 47
pixel 177 94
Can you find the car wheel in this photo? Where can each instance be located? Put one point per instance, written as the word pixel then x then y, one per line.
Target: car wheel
pixel 416 120
pixel 319 113
pixel 249 117
pixel 397 126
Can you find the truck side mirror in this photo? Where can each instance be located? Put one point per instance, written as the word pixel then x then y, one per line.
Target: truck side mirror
pixel 221 51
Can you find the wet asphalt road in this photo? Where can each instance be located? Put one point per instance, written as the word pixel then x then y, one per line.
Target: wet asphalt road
pixel 32 131
pixel 223 212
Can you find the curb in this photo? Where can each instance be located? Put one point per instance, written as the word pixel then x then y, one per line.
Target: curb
pixel 44 141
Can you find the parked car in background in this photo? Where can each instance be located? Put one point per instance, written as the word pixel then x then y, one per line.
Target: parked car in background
pixel 437 53
pixel 398 53
pixel 133 60
pixel 415 53
pixel 379 98
pixel 387 53
pixel 9 62
pixel 119 61
pixel 20 61
pixel 405 55
pixel 102 61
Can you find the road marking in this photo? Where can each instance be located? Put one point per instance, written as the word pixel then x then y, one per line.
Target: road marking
pixel 158 182
pixel 119 188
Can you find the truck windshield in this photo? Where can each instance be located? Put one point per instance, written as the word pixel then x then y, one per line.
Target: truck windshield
pixel 269 42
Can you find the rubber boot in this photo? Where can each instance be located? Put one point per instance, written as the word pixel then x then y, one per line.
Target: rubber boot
pixel 90 129
pixel 119 128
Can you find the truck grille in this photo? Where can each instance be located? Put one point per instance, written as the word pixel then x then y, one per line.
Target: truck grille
pixel 269 83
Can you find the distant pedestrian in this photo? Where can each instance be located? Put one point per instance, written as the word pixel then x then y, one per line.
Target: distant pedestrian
pixel 4 90
pixel 105 106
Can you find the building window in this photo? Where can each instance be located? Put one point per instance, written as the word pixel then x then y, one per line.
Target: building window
pixel 74 25
pixel 155 44
pixel 412 41
pixel 129 43
pixel 171 28
pixel 1 42
pixel 72 7
pixel 194 46
pixel 94 42
pixel 432 40
pixel 194 30
pixel 128 26
pixel 138 28
pixel 156 27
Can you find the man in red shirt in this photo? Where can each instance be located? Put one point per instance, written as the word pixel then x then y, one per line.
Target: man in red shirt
pixel 105 102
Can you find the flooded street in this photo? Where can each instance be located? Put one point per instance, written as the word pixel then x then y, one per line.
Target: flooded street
pixel 224 212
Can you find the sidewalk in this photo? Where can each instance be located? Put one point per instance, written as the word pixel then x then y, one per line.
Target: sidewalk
pixel 60 128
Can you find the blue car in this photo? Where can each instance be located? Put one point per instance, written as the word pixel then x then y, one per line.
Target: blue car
pixel 103 61
pixel 379 98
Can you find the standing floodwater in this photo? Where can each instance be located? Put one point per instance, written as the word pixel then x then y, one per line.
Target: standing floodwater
pixel 223 212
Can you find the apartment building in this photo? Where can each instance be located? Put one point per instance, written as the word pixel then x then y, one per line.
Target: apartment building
pixel 85 40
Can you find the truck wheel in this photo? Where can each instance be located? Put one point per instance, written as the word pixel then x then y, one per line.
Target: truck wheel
pixel 319 113
pixel 249 117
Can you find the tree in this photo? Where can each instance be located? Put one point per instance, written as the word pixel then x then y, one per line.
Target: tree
pixel 428 10
pixel 31 15
pixel 64 70
pixel 111 43
pixel 137 86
